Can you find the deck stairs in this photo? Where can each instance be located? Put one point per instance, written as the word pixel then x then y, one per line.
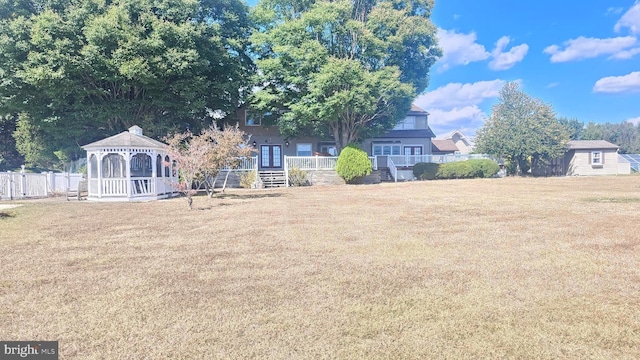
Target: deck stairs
pixel 272 179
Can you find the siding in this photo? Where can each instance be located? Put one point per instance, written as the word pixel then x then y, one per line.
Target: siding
pixel 578 163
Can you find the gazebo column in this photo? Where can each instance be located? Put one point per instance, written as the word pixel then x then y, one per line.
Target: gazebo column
pixel 99 159
pixel 127 158
pixel 154 172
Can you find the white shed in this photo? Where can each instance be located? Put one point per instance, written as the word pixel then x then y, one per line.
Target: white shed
pixel 129 167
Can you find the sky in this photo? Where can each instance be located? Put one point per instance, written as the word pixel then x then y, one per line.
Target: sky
pixel 581 57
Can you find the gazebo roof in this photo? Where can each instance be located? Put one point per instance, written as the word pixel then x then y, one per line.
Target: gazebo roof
pixel 129 139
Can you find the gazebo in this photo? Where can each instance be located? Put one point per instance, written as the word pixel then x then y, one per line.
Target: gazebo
pixel 129 167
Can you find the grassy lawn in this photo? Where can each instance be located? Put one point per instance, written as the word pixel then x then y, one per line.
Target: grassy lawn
pixel 499 268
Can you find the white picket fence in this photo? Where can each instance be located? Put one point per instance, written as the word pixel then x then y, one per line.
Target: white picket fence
pixel 21 185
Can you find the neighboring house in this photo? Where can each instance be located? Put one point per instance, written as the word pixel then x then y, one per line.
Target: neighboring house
pixel 588 157
pixel 463 143
pixel 412 136
pixel 443 147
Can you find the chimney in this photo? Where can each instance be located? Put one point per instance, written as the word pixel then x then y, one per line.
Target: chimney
pixel 136 130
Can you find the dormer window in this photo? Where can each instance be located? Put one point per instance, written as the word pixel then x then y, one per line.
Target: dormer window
pixel 252 118
pixel 409 123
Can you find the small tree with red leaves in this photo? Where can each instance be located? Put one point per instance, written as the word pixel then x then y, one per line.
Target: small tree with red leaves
pixel 200 158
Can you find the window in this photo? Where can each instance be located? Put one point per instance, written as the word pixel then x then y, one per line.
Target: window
pixel 596 158
pixel 409 123
pixel 329 149
pixel 252 118
pixel 303 150
pixel 386 149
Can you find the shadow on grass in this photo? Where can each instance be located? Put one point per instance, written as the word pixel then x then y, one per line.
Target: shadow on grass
pixel 247 196
pixel 612 200
pixel 6 215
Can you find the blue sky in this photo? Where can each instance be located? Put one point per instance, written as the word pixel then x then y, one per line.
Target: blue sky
pixel 582 57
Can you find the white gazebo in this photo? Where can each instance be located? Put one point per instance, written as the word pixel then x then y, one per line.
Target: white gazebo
pixel 129 167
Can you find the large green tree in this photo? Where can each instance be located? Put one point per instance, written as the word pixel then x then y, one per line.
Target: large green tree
pixel 625 134
pixel 522 130
pixel 346 69
pixel 74 71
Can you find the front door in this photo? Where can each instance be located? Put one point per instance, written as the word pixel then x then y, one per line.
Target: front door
pixel 270 156
pixel 413 150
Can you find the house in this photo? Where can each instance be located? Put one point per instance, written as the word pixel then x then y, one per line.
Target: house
pixel 412 136
pixel 443 147
pixel 588 157
pixel 464 144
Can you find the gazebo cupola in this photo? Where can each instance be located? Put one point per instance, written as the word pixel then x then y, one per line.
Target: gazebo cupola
pixel 129 167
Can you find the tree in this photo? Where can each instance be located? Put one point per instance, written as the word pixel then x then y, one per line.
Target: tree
pixel 81 70
pixel 575 127
pixel 9 156
pixel 200 157
pixel 625 134
pixel 346 69
pixel 522 130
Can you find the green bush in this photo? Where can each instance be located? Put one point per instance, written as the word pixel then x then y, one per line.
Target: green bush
pixel 298 177
pixel 455 170
pixel 484 168
pixel 353 163
pixel 475 168
pixel 425 171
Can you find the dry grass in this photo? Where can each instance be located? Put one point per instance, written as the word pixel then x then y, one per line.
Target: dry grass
pixel 501 268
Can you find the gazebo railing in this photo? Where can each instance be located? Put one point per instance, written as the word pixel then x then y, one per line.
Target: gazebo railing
pixel 114 187
pixel 140 186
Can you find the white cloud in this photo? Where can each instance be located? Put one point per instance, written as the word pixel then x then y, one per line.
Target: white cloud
pixel 584 48
pixel 614 11
pixel 552 85
pixel 468 115
pixel 630 20
pixel 618 84
pixel 459 49
pixel 460 95
pixel 506 60
pixel 458 106
pixel 625 54
pixel 635 120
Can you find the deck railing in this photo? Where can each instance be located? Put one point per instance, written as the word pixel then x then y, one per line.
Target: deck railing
pixel 246 164
pixel 410 160
pixel 311 162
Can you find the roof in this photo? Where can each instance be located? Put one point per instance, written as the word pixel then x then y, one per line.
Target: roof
pixel 444 145
pixel 416 110
pixel 590 144
pixel 130 139
pixel 418 133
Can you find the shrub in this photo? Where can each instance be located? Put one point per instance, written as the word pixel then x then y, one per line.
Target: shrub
pixel 484 167
pixel 298 177
pixel 425 171
pixel 247 179
pixel 455 170
pixel 352 163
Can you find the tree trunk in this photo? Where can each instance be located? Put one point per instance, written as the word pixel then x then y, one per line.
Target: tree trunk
pixel 224 185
